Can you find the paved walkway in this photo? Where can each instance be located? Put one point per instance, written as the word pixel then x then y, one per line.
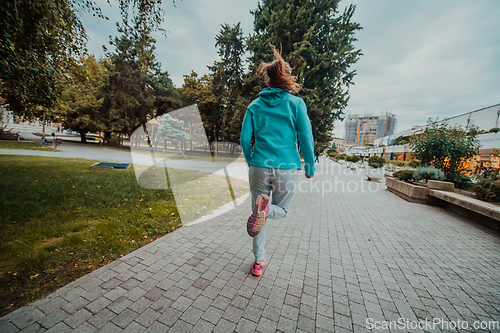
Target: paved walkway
pixel 338 260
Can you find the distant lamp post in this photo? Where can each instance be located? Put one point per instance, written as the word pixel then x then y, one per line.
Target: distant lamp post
pixel 55 137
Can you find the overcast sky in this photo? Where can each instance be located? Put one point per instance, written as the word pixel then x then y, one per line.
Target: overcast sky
pixel 421 58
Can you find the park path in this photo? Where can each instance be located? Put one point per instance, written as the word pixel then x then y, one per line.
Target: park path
pixel 90 151
pixel 345 255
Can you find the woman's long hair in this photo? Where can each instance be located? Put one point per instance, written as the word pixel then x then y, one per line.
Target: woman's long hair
pixel 278 73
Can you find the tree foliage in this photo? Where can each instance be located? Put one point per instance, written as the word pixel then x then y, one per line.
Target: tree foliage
pixel 171 129
pixel 199 91
pixel 137 89
pixel 80 105
pixel 39 41
pixel 445 147
pixel 227 83
pixel 318 42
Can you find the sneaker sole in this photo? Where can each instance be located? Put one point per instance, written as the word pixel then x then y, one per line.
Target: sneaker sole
pixel 257 219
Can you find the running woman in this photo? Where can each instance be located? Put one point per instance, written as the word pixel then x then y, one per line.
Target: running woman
pixel 275 120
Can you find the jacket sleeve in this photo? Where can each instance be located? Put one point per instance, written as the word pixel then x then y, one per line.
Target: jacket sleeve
pixel 246 136
pixel 304 130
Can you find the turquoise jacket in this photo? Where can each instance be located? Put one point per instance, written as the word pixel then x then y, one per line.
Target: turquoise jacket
pixel 275 119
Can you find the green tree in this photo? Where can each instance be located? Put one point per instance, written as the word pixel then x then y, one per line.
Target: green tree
pixel 137 89
pixel 332 149
pixel 80 104
pixel 318 42
pixel 227 83
pixel 445 147
pixel 199 91
pixel 400 140
pixel 172 130
pixel 39 41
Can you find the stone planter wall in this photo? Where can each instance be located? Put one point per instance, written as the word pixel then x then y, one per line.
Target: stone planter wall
pixel 440 186
pixel 407 191
pixel 441 194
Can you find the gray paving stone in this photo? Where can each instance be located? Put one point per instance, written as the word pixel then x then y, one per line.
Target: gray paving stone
pixel 157 327
pixel 135 293
pixel 100 319
pixel 323 322
pixel 125 318
pixel 232 314
pixel 270 313
pixel 140 305
pixel 266 326
pixel 53 304
pixel 181 327
pixel 59 328
pixel 35 327
pixel 245 326
pixel 192 315
pixel 286 325
pixel 134 327
pixel 213 315
pixel 75 305
pixel 110 328
pixel 170 316
pixel 203 327
pixel 78 318
pixel 53 318
pixel 98 304
pixel 7 327
pixel 119 305
pixel 221 302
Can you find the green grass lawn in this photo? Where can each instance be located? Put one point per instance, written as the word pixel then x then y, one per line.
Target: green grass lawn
pixel 8 144
pixel 61 220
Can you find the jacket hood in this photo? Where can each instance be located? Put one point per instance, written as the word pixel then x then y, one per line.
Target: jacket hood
pixel 272 96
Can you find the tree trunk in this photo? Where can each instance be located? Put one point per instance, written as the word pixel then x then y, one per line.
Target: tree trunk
pixel 83 137
pixel 107 137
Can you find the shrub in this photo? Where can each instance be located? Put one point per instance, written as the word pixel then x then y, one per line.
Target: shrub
pixel 461 181
pixel 487 189
pixel 404 175
pixel 426 173
pixel 343 156
pixel 355 158
pixel 376 161
pixel 333 154
pixel 398 163
pixel 331 150
pixel 445 147
pixel 414 164
pixel 390 167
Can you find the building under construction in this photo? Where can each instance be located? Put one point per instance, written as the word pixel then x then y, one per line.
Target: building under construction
pixel 363 130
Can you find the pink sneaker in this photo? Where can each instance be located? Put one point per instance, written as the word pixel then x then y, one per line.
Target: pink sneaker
pixel 258 218
pixel 258 268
